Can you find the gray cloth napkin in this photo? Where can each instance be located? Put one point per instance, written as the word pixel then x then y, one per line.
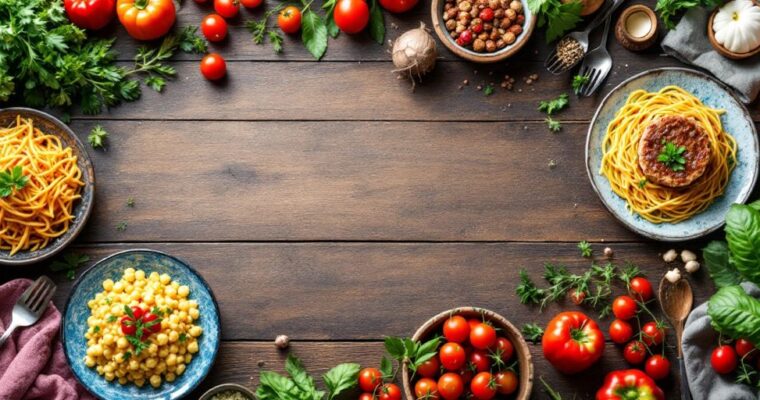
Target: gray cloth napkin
pixel 689 44
pixel 699 339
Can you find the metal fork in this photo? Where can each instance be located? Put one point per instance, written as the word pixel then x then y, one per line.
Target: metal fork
pixel 30 305
pixel 597 65
pixel 553 62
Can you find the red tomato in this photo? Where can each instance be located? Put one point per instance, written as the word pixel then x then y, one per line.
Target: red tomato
pixel 213 66
pixel 390 391
pixel 473 322
pixel 723 359
pixel 137 312
pixel 370 379
pixel 479 361
pixel 450 386
pixel 744 347
pixel 483 386
pixel 456 329
pixel 635 352
pixel 452 356
pixel 504 348
pixel 128 326
pixel 366 396
pixel 149 317
pixel 90 14
pixel 146 19
pixel 506 382
pixel 289 19
pixel 251 3
pixel 486 14
pixel 620 331
pixel 429 368
pixel 657 367
pixel 482 336
pixel 641 289
pixel 351 16
pixel 651 334
pixel 624 307
pixel 572 342
pixel 227 8
pixel 214 28
pixel 466 375
pixel 426 389
pixel 398 6
pixel 576 296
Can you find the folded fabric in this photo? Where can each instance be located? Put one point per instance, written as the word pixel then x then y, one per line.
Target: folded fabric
pixel 699 338
pixel 32 363
pixel 688 43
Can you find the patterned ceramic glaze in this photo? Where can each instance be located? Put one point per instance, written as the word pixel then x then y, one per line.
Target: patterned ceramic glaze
pixel 82 208
pixel 76 314
pixel 736 121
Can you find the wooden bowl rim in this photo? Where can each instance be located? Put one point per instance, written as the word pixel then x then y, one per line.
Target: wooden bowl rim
pixel 228 386
pixel 652 17
pixel 436 8
pixel 719 47
pixel 525 360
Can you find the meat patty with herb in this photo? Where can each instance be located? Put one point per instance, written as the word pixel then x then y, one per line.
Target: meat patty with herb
pixel 674 151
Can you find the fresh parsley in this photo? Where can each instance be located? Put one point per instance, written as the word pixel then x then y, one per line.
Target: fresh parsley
pixel 585 248
pixel 669 10
pixel 552 106
pixel 579 81
pixel 182 337
pixel 532 332
pixel 96 329
pixel 70 262
pixel 130 202
pixel 136 339
pixel 260 30
pixel 558 16
pixel 488 90
pixel 554 125
pixel 12 180
pixel 672 156
pixel 642 183
pixel 298 384
pixel 97 137
pixel 121 226
pixel 111 319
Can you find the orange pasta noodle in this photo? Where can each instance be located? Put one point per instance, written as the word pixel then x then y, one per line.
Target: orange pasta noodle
pixel 42 210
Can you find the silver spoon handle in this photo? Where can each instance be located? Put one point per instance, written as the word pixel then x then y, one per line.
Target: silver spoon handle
pixel 7 333
pixel 607 13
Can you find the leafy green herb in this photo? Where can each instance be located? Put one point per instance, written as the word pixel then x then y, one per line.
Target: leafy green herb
pixel 332 28
pixel 716 256
pixel 386 368
pixel 130 202
pixel 552 106
pixel 579 81
pixel 182 337
pixel 376 23
pixel 532 332
pixel 136 339
pixel 121 226
pixel 341 378
pixel 735 314
pixel 672 156
pixel 261 29
pixel 553 394
pixel 406 349
pixel 69 263
pixel 150 61
pixel 585 248
pixel 669 10
pixel 559 17
pixel 554 125
pixel 111 318
pixel 127 355
pixel 743 237
pixel 276 39
pixel 299 385
pixel 528 292
pixel 12 180
pixel 488 90
pixel 96 329
pixel 314 33
pixel 642 183
pixel 97 137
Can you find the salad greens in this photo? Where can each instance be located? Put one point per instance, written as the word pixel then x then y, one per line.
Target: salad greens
pixel 300 385
pixel 734 313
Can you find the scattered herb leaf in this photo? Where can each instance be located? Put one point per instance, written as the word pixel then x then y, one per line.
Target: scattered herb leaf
pixel 97 137
pixel 673 156
pixel 578 82
pixel 12 180
pixel 121 226
pixel 554 125
pixel 585 248
pixel 552 106
pixel 532 332
pixel 488 90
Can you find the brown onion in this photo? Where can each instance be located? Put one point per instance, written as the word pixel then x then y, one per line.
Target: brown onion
pixel 414 53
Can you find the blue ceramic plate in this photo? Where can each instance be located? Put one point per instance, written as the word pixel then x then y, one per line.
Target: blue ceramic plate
pixel 76 314
pixel 736 121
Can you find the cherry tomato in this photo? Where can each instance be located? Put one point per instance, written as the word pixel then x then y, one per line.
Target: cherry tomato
pixel 351 16
pixel 128 326
pixel 452 356
pixel 465 37
pixel 620 331
pixel 456 329
pixel 251 3
pixel 214 28
pixel 426 389
pixel 635 352
pixel 366 396
pixel 429 368
pixel 473 322
pixel 370 379
pixel 506 382
pixel 289 19
pixel 486 14
pixel 478 361
pixel 450 386
pixel 227 8
pixel 91 14
pixel 652 335
pixel 624 307
pixel 657 367
pixel 641 289
pixel 213 66
pixel 482 336
pixel 723 359
pixel 466 375
pixel 149 317
pixel 504 348
pixel 744 347
pixel 576 296
pixel 398 6
pixel 137 312
pixel 483 386
pixel 390 391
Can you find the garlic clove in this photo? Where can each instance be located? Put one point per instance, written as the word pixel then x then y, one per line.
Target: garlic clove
pixel 670 256
pixel 692 266
pixel 673 275
pixel 687 256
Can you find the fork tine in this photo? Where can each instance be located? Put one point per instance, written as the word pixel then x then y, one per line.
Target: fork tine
pixel 47 294
pixel 591 82
pixel 31 293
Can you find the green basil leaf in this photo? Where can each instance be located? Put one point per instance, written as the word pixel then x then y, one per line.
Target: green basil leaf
pixel 298 374
pixel 718 266
pixel 743 237
pixel 395 347
pixel 282 387
pixel 410 348
pixel 341 378
pixel 735 314
pixel 332 28
pixel 386 367
pixel 314 34
pixel 428 347
pixel 755 205
pixel 376 23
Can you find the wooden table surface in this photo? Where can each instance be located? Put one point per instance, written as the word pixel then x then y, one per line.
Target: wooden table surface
pixel 329 202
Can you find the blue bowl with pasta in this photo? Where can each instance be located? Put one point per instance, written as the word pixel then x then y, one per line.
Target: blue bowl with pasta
pixel 77 312
pixel 735 120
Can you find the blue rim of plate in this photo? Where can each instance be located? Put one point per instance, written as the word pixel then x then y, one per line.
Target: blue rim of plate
pixel 746 187
pixel 217 321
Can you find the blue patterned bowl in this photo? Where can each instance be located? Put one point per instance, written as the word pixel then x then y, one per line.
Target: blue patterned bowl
pixel 736 121
pixel 76 313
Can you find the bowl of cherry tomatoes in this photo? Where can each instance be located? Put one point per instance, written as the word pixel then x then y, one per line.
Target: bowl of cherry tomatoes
pixel 481 356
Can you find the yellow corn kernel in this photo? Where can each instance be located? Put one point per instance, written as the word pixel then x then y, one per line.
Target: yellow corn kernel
pixel 122 343
pixel 108 339
pixel 184 305
pixel 108 285
pixel 155 381
pixel 170 292
pixel 123 381
pixel 162 339
pixel 118 287
pixel 151 362
pixel 92 320
pixel 188 358
pixel 139 275
pixel 153 276
pixel 170 377
pixel 196 331
pixel 110 376
pixel 133 365
pixel 192 347
pixel 95 350
pixel 165 279
pixel 180 369
pixel 139 382
pixel 163 352
pixel 183 291
pixel 89 361
pixel 173 336
pixel 194 313
pixel 171 360
pixel 107 353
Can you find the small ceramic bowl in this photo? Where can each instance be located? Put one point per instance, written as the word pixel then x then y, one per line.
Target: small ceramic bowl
pixel 228 387
pixel 506 329
pixel 719 47
pixel 82 209
pixel 436 11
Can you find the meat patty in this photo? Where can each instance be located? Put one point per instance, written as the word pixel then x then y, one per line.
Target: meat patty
pixel 680 131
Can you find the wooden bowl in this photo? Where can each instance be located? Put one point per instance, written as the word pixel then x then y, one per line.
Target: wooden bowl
pixel 522 352
pixel 225 387
pixel 436 13
pixel 719 47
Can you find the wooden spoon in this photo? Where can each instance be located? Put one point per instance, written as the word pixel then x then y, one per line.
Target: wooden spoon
pixel 676 300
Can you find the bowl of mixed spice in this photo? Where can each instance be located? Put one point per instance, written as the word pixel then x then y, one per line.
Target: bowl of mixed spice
pixel 228 391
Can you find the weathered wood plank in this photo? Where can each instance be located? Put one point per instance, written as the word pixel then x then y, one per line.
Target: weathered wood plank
pixel 238 362
pixel 346 291
pixel 261 181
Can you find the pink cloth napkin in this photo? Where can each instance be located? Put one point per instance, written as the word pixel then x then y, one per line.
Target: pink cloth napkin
pixel 32 363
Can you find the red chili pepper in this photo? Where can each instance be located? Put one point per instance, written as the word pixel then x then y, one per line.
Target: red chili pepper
pixel 629 384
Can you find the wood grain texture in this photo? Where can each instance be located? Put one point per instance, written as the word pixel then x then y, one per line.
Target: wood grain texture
pixel 363 291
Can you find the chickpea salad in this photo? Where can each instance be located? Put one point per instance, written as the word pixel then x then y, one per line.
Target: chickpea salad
pixel 142 329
